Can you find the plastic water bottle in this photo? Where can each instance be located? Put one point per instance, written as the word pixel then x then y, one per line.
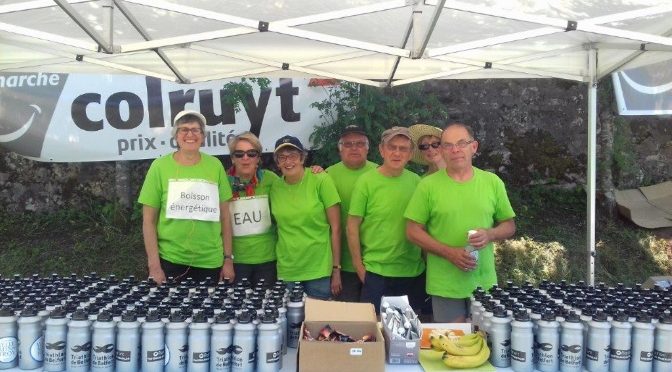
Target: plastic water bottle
pixel 597 348
pixel 152 354
pixel 55 336
pixel 473 251
pixel 9 344
pixel 128 343
pixel 220 343
pixel 642 344
pixel 269 345
pixel 571 344
pixel 177 346
pixel 662 353
pixel 522 342
pixel 244 345
pixel 548 342
pixel 621 341
pixel 30 339
pixel 282 322
pixel 500 334
pixel 78 341
pixel 199 343
pixel 104 343
pixel 295 316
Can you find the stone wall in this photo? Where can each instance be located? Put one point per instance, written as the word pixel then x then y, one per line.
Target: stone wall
pixel 530 132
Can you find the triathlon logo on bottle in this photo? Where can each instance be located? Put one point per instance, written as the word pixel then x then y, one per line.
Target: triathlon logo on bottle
pixel 27 104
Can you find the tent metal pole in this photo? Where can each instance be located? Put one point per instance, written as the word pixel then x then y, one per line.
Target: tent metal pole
pixel 591 169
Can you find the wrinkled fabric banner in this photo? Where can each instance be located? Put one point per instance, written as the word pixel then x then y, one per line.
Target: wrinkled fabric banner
pixel 82 118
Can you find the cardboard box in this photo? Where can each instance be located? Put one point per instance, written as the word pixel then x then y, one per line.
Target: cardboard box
pixel 353 319
pixel 398 349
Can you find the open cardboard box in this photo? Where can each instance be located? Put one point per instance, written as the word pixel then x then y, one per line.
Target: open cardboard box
pixel 400 350
pixel 354 319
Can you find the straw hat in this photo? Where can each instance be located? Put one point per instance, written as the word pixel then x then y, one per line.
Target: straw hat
pixel 418 131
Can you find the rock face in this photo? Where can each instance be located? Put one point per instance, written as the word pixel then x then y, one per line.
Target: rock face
pixel 529 131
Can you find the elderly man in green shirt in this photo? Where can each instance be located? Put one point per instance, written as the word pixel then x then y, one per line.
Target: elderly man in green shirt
pixel 353 147
pixel 444 207
pixel 386 262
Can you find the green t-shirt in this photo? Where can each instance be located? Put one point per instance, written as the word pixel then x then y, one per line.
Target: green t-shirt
pixel 449 209
pixel 304 234
pixel 344 178
pixel 381 202
pixel 186 241
pixel 258 248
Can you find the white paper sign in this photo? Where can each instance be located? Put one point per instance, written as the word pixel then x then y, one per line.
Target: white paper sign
pixel 191 199
pixel 250 215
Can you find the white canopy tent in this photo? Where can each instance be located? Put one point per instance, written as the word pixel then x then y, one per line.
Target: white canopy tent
pixel 378 43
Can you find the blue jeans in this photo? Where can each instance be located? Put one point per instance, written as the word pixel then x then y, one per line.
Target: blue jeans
pixel 315 288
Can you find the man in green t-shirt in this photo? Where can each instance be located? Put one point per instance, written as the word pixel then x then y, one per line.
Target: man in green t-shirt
pixel 385 261
pixel 353 147
pixel 441 213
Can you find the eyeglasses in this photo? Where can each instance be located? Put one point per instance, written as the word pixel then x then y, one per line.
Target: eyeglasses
pixel 355 144
pixel 292 156
pixel 460 145
pixel 425 146
pixel 194 131
pixel 393 148
pixel 250 153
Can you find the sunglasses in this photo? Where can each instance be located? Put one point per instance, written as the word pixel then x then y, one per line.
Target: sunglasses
pixel 250 153
pixel 425 146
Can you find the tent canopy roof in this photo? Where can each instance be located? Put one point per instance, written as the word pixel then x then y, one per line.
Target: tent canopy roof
pixel 372 42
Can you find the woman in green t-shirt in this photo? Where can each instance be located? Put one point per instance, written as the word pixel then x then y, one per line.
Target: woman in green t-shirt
pixel 428 140
pixel 307 212
pixel 254 234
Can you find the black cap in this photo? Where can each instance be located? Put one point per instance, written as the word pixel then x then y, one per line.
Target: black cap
pixel 153 316
pixel 350 129
pixel 176 317
pixel 129 316
pixel 573 317
pixel 104 316
pixel 223 318
pixel 288 141
pixel 199 317
pixel 521 316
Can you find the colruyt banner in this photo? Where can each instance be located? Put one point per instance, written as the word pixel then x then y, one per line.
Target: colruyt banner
pixel 644 90
pixel 81 117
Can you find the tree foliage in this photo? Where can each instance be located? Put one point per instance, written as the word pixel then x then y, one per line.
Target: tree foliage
pixel 374 110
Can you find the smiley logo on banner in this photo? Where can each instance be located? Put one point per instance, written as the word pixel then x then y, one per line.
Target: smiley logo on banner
pixel 27 104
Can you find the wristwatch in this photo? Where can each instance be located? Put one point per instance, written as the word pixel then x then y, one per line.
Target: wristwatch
pixel 228 256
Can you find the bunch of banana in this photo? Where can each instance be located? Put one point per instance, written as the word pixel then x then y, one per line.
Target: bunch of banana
pixel 468 351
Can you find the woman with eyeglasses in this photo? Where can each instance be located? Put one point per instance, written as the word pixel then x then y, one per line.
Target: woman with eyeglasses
pixel 427 152
pixel 254 235
pixel 185 215
pixel 307 212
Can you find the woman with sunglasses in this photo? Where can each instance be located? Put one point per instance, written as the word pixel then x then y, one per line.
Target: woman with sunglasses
pixel 185 213
pixel 254 235
pixel 427 152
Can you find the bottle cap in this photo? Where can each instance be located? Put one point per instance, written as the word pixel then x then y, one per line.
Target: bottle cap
pixel 521 316
pixel 643 317
pixel 600 316
pixel 176 317
pixel 223 318
pixel 572 317
pixel 153 316
pixel 621 316
pixel 199 317
pixel 80 314
pixel 104 316
pixel 129 316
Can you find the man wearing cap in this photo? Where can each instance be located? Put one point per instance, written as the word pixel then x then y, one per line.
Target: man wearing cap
pixel 353 147
pixel 451 209
pixel 385 261
pixel 185 215
pixel 306 210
